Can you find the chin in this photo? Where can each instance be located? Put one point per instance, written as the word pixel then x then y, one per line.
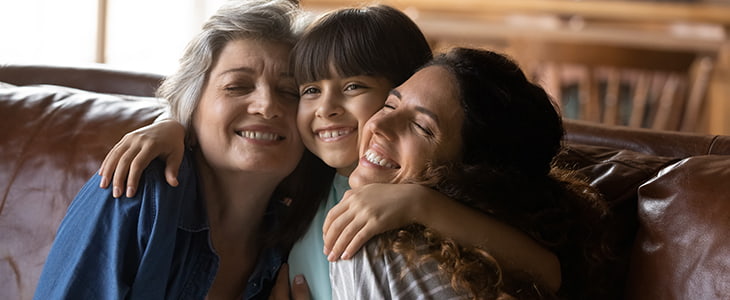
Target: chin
pixel 358 179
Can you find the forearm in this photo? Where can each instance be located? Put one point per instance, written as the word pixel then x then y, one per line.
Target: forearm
pixel 510 246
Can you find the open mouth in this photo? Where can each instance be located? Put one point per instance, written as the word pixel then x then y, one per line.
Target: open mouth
pixel 260 136
pixel 376 159
pixel 331 134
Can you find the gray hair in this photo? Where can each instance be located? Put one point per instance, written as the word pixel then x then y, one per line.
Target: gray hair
pixel 265 20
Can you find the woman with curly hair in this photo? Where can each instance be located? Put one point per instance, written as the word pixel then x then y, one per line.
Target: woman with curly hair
pixel 470 125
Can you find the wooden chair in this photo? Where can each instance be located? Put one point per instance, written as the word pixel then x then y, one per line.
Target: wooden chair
pixel 658 89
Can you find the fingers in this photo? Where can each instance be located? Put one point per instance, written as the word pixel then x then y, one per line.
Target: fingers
pixel 131 155
pixel 362 236
pixel 300 288
pixel 341 231
pixel 121 170
pixel 333 214
pixel 344 239
pixel 172 166
pixel 109 163
pixel 140 161
pixel 280 291
pixel 336 221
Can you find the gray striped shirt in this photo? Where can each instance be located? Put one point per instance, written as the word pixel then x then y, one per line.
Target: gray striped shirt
pixel 370 275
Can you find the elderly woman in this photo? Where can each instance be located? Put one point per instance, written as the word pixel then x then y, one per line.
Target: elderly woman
pixel 206 237
pixel 470 125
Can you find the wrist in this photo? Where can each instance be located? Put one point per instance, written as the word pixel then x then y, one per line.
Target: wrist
pixel 422 212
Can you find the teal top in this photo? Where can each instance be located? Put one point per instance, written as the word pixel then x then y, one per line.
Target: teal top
pixel 307 256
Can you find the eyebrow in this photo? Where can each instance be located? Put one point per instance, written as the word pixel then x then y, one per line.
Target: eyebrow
pixel 252 71
pixel 238 70
pixel 420 109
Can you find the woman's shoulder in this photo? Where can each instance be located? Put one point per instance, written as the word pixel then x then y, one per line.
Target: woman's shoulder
pixel 155 172
pixel 161 198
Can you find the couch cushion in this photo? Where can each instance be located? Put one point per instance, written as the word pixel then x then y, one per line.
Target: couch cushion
pixel 682 249
pixel 616 173
pixel 51 141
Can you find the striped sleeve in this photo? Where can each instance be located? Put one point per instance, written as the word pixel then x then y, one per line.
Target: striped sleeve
pixel 373 275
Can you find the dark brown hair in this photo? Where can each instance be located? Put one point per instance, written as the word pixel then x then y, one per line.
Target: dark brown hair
pixel 375 40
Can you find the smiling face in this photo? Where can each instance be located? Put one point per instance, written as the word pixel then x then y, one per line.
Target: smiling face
pixel 332 113
pixel 420 122
pixel 245 120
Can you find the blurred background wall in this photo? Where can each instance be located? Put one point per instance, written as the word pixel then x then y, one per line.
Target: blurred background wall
pixel 653 64
pixel 145 35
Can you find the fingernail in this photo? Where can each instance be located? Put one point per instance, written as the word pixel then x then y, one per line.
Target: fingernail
pixel 130 192
pixel 331 257
pixel 104 182
pixel 345 255
pixel 299 279
pixel 326 251
pixel 116 192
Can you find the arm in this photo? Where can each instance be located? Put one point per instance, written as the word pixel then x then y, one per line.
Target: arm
pixel 376 208
pixel 108 249
pixel 134 152
pixel 93 253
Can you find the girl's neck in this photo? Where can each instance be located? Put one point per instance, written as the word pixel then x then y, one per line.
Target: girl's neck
pixel 346 171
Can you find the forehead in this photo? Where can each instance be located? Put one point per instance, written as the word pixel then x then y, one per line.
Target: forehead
pixel 435 89
pixel 256 55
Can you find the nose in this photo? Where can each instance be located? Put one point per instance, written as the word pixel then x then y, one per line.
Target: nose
pixel 384 124
pixel 329 106
pixel 266 103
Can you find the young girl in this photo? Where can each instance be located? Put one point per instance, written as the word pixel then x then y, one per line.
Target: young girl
pixel 345 64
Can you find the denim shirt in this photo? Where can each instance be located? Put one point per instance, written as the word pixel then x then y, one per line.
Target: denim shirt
pixel 153 246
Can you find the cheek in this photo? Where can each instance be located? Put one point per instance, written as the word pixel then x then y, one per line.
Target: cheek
pixel 202 112
pixel 305 111
pixel 304 117
pixel 417 153
pixel 365 111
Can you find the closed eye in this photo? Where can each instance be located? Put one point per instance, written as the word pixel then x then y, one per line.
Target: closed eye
pixel 289 93
pixel 237 89
pixel 423 129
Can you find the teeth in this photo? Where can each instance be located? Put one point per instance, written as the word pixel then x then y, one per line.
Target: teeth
pixel 378 160
pixel 256 135
pixel 326 134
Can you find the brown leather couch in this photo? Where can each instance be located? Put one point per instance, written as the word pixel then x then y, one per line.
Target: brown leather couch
pixel 669 192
